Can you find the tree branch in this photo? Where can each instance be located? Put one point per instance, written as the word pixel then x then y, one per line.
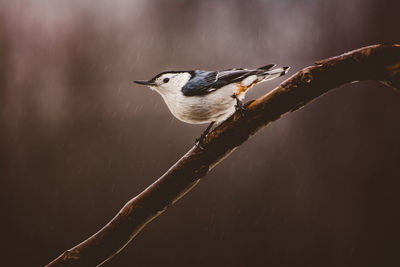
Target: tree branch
pixel 378 62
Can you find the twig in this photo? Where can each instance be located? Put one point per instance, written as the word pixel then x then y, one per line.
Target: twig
pixel 378 62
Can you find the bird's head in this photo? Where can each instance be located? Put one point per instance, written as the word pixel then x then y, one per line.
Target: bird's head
pixel 167 82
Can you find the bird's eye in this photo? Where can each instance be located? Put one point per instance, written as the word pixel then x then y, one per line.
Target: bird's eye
pixel 166 80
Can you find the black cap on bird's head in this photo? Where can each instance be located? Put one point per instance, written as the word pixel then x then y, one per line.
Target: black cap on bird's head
pixel 161 78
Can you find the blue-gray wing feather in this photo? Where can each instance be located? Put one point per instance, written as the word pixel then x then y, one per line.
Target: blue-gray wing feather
pixel 200 83
pixel 204 82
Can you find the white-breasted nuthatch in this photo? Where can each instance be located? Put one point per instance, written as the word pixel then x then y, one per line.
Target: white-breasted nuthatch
pixel 200 96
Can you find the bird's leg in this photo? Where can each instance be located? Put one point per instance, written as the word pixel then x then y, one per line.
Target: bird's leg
pixel 200 140
pixel 239 105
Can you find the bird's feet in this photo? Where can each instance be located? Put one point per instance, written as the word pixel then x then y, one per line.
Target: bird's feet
pixel 199 141
pixel 239 107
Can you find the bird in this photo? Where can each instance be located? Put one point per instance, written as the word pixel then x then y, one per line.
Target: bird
pixel 201 96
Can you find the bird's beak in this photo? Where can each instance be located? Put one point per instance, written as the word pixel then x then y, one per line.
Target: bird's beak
pixel 148 83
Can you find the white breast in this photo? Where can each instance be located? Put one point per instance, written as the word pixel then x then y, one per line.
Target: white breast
pixel 215 106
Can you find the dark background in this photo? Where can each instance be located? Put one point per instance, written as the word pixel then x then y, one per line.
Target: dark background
pixel 318 187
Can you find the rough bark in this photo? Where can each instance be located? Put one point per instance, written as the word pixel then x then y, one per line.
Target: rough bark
pixel 378 62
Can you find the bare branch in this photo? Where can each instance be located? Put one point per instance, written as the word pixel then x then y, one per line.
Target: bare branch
pixel 378 62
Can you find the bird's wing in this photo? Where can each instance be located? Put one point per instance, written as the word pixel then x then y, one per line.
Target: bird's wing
pixel 204 82
pixel 200 83
pixel 234 75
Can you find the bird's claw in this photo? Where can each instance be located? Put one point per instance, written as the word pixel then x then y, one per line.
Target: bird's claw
pixel 239 108
pixel 199 142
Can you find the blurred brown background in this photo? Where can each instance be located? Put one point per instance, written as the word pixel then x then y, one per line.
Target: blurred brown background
pixel 319 187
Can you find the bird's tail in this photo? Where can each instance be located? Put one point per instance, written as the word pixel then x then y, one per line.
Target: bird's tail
pixel 275 73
